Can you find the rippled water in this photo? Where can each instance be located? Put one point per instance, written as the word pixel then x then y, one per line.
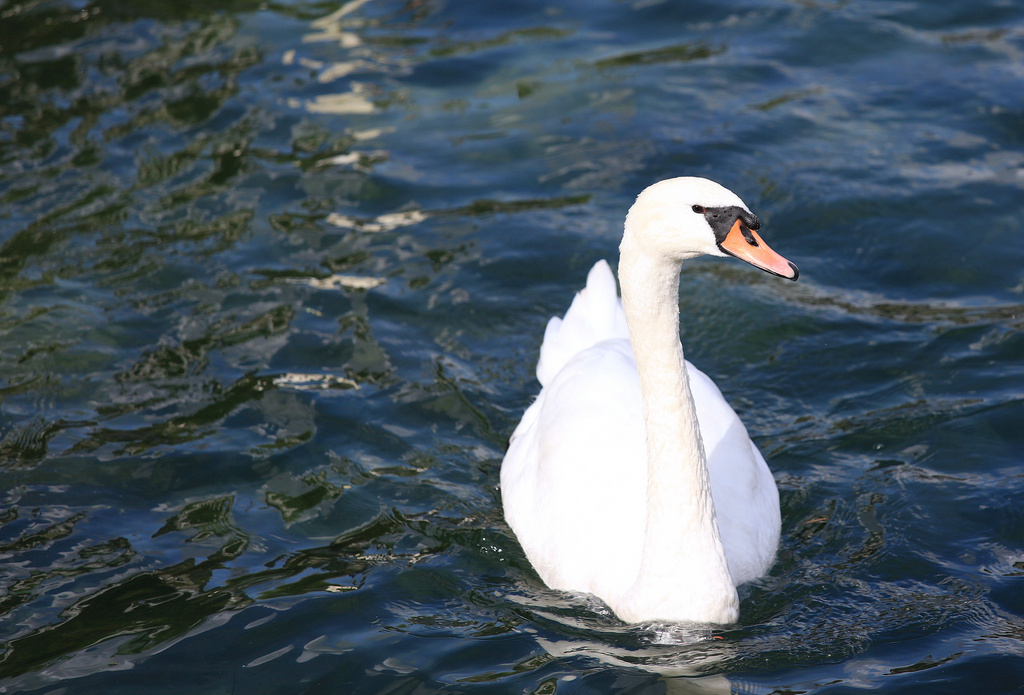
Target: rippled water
pixel 273 278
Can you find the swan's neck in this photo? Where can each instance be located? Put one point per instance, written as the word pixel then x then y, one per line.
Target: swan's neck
pixel 683 572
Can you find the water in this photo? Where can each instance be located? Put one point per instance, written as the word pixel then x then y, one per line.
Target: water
pixel 272 282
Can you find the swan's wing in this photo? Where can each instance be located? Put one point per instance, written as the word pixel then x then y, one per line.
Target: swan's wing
pixel 574 478
pixel 742 485
pixel 559 474
pixel 595 315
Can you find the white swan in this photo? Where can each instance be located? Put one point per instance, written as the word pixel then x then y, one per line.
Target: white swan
pixel 610 484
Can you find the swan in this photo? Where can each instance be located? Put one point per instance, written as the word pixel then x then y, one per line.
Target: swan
pixel 630 477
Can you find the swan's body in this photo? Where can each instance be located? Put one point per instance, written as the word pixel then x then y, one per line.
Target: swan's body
pixel 630 477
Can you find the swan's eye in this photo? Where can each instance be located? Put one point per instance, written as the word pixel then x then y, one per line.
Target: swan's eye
pixel 698 209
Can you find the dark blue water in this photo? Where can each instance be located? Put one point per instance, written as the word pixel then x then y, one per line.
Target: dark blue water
pixel 273 277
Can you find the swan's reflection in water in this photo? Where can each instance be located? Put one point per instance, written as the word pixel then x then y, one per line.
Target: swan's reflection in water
pixel 685 656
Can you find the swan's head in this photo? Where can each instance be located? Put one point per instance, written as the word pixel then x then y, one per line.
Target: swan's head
pixel 680 218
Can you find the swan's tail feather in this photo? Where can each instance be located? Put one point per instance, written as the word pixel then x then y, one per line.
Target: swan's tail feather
pixel 595 314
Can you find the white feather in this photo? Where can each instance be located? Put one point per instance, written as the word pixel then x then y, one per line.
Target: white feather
pixel 575 480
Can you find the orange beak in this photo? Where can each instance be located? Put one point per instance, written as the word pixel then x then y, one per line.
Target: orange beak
pixel 745 244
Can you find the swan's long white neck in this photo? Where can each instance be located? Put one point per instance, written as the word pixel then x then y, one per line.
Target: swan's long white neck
pixel 683 574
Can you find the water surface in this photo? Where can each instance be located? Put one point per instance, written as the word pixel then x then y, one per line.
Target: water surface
pixel 273 277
